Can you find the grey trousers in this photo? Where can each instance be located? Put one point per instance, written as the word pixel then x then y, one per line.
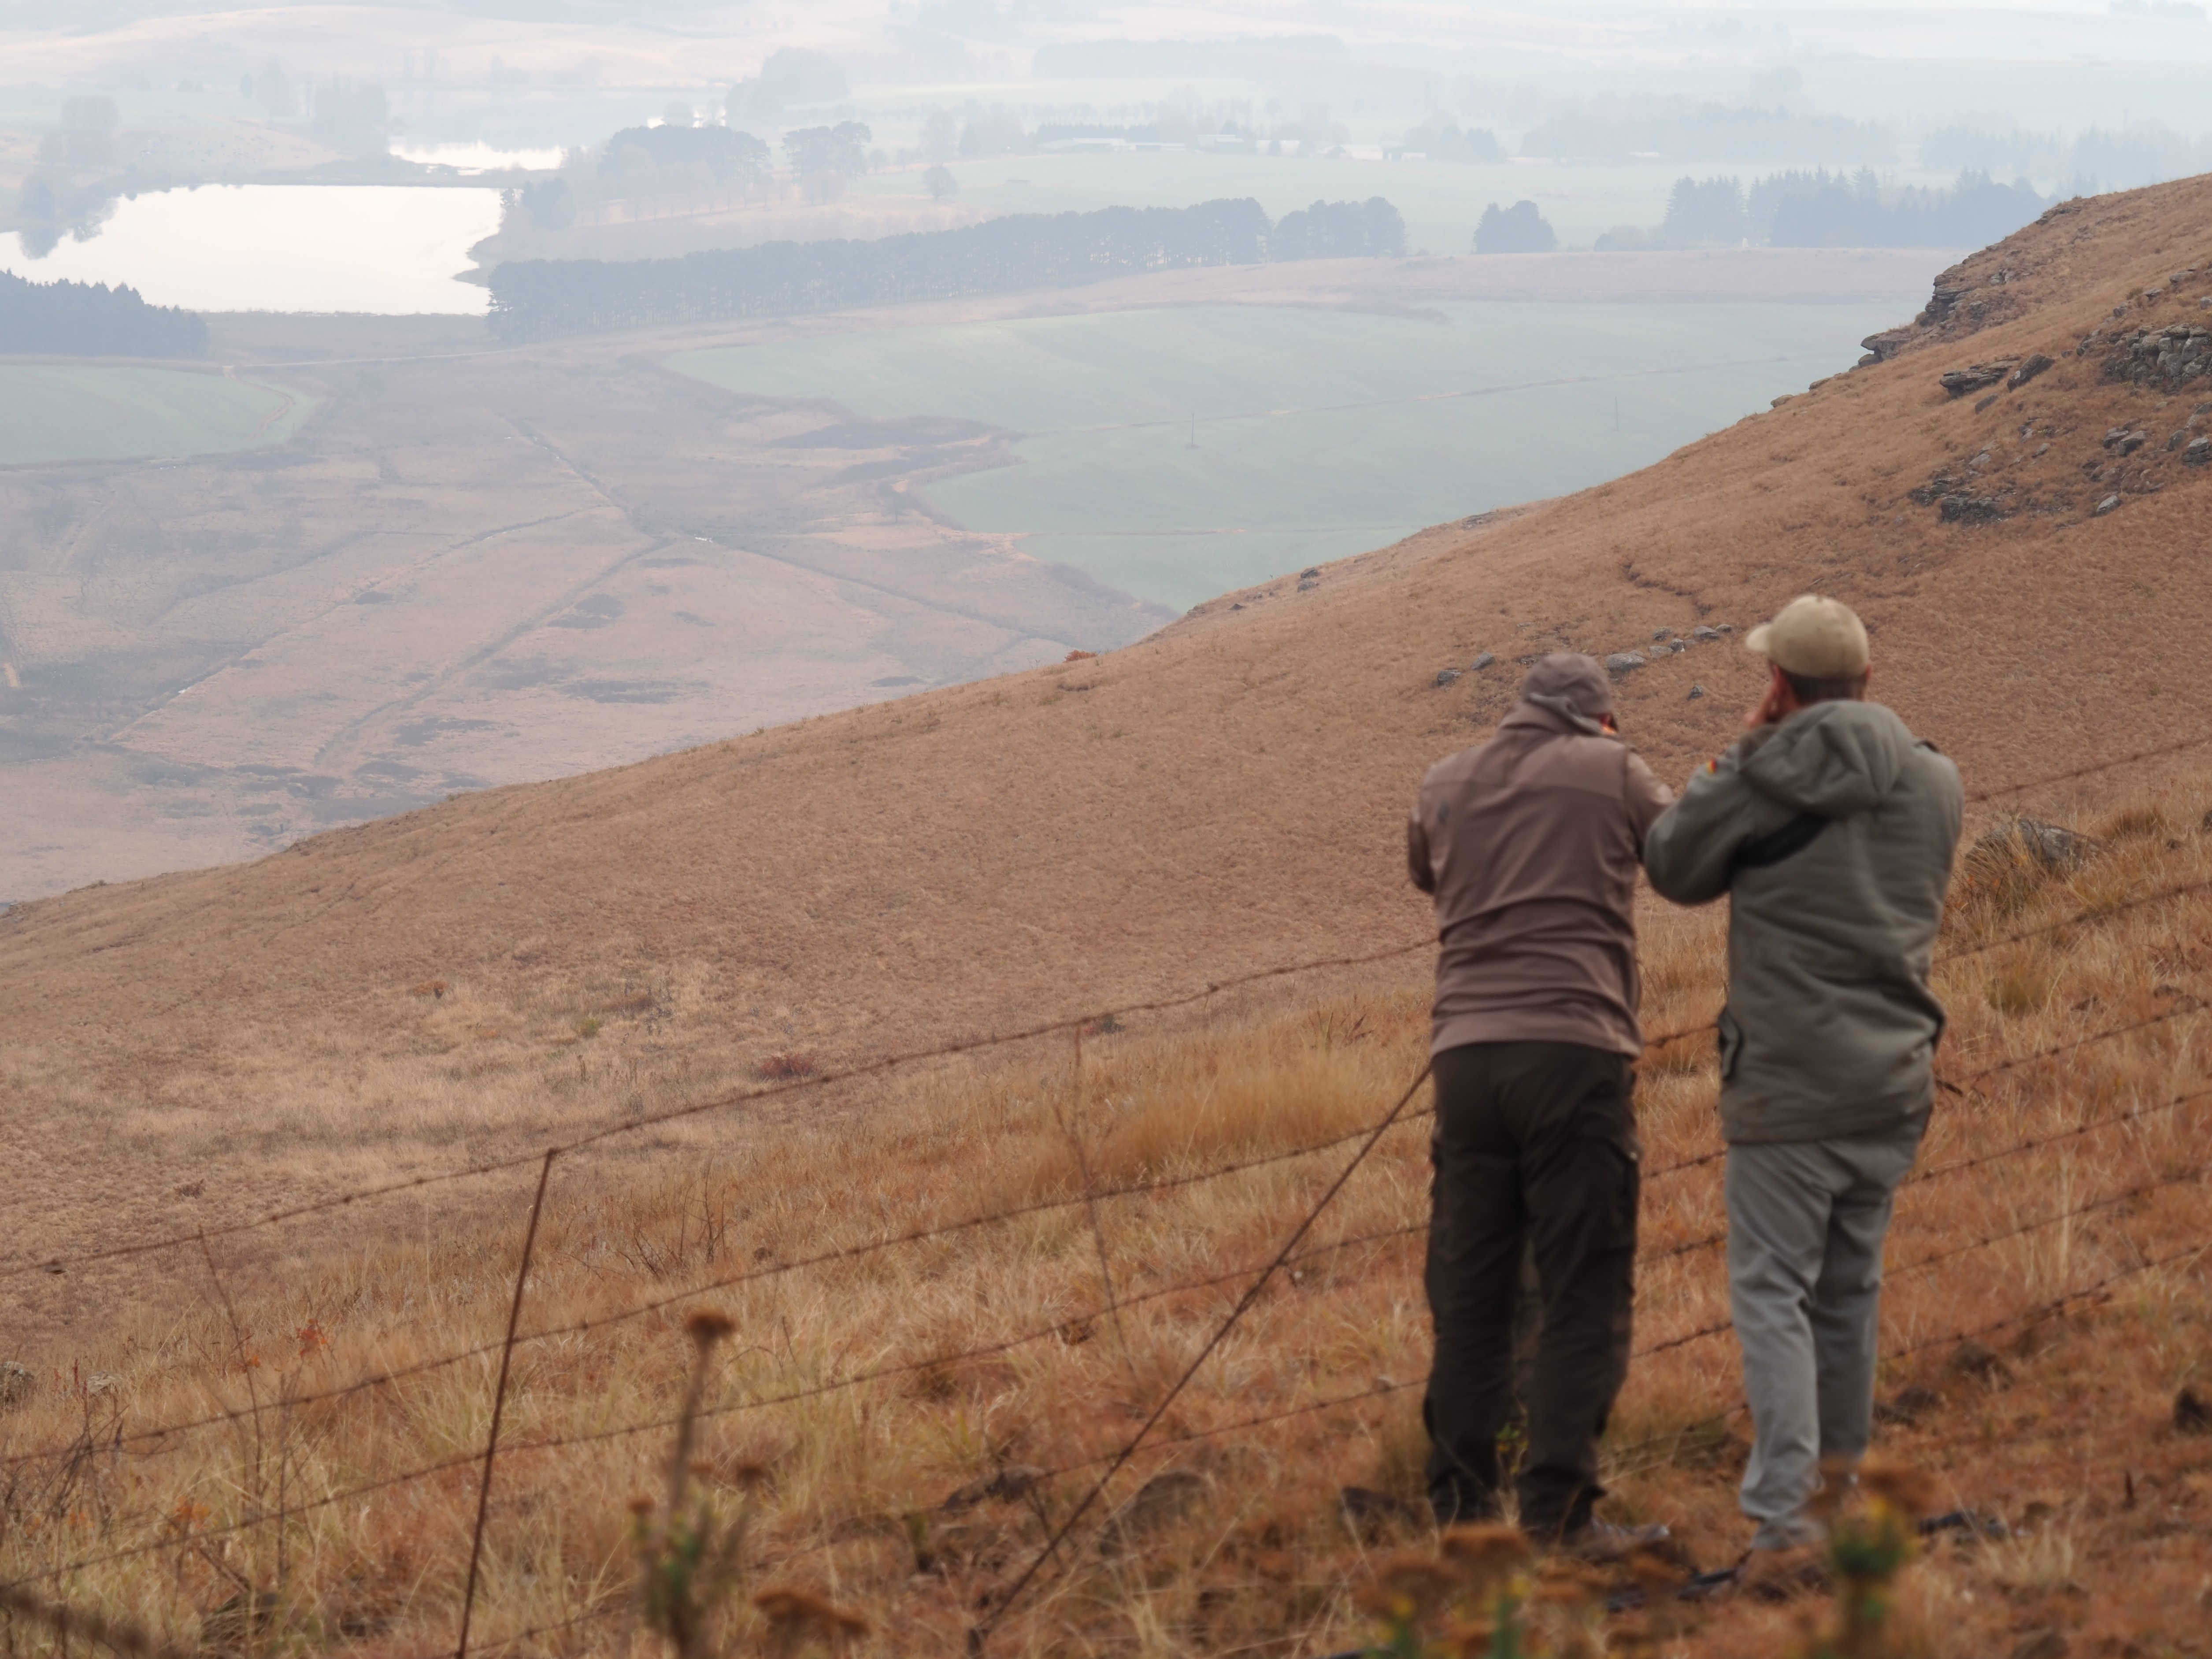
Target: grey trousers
pixel 1805 1225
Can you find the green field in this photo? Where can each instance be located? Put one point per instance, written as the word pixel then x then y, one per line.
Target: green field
pixel 58 413
pixel 1317 434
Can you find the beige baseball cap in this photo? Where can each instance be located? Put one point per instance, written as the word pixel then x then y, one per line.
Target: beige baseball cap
pixel 1814 638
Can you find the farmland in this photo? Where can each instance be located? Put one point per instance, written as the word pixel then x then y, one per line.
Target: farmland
pixel 55 412
pixel 1173 453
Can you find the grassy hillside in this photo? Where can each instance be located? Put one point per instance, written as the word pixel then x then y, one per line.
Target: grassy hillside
pixel 939 1347
pixel 58 412
pixel 1173 453
pixel 455 987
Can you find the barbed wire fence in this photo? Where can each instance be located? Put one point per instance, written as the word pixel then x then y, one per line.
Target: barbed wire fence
pixel 17 1599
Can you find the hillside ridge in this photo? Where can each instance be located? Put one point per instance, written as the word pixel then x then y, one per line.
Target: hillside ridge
pixel 1223 795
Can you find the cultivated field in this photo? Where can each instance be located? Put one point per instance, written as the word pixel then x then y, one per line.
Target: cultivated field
pixel 1174 453
pixel 71 412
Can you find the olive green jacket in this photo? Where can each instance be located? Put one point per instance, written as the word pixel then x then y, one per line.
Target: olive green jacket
pixel 1833 834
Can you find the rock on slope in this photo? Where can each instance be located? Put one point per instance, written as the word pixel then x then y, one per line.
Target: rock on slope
pixel 1228 793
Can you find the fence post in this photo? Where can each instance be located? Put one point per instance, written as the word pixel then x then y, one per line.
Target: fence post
pixel 499 1401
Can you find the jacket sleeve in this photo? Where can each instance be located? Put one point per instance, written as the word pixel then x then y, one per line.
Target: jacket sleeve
pixel 1689 852
pixel 1417 853
pixel 1647 798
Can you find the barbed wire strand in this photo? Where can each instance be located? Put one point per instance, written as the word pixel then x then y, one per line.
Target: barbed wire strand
pixel 821 1079
pixel 979 1634
pixel 1984 796
pixel 580 1327
pixel 963 1046
pixel 66 1621
pixel 847 1253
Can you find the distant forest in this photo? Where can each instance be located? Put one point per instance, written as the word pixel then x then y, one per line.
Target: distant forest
pixel 91 320
pixel 1821 209
pixel 536 298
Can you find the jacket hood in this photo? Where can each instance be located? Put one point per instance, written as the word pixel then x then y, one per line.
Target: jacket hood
pixel 1832 759
pixel 1574 717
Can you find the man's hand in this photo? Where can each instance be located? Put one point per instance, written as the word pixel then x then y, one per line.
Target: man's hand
pixel 1777 706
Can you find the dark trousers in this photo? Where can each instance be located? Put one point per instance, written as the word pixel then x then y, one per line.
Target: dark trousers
pixel 1535 1151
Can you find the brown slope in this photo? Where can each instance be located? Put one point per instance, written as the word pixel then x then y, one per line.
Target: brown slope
pixel 1224 795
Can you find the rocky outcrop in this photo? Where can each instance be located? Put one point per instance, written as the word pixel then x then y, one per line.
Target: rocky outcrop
pixel 2166 358
pixel 1959 381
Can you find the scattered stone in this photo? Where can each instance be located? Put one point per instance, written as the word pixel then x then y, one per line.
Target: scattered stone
pixel 1160 1500
pixel 1006 1486
pixel 1483 660
pixel 1624 662
pixel 2027 371
pixel 2198 452
pixel 1446 676
pixel 1676 647
pixel 1663 634
pixel 1977 1528
pixel 1959 381
pixel 1971 1358
pixel 2119 311
pixel 1783 399
pixel 1980 461
pixel 2105 506
pixel 105 1384
pixel 1959 507
pixel 2043 1644
pixel 18 1382
pixel 1370 1515
pixel 2050 848
pixel 1696 692
pixel 2114 436
pixel 1310 573
pixel 2191 1414
pixel 1982 404
pixel 1724 628
pixel 1702 632
pixel 1308 585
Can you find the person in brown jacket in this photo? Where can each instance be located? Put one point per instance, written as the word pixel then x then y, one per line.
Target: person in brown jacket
pixel 1530 843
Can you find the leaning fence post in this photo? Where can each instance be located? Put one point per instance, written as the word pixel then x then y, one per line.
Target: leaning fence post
pixel 499 1401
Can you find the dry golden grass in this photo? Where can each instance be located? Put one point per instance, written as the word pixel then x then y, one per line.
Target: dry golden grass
pixel 857 1394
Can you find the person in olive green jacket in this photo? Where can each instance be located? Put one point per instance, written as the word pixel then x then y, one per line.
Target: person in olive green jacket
pixel 1832 829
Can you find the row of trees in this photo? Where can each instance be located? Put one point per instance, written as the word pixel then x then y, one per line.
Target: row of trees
pixel 536 298
pixel 1819 208
pixel 91 320
pixel 1616 128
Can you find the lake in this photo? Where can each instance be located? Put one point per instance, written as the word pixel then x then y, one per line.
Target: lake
pixel 390 248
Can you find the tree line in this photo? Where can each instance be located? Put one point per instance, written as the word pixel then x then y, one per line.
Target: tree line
pixel 537 299
pixel 91 320
pixel 1819 208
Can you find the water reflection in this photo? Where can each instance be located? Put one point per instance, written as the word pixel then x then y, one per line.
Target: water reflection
pixel 390 248
pixel 478 157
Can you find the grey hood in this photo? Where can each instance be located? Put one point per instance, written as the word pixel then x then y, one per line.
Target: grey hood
pixel 1832 760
